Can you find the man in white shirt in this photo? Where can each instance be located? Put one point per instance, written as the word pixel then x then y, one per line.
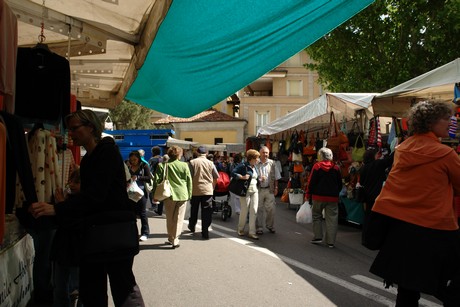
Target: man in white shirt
pixel 268 188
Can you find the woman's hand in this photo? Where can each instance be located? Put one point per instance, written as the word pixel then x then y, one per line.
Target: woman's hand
pixel 41 209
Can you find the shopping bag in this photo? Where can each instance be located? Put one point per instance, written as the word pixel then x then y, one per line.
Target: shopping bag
pixel 163 189
pixel 134 192
pixel 304 215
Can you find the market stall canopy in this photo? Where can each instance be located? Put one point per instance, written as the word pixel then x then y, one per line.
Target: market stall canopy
pixel 316 112
pixel 212 147
pixel 104 40
pixel 437 84
pixel 177 57
pixel 180 143
pixel 206 50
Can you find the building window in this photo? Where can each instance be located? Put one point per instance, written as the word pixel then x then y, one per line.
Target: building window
pixel 188 139
pixel 262 118
pixel 294 88
pixel 218 140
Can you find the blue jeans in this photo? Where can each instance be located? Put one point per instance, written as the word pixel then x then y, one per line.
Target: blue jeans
pixel 65 281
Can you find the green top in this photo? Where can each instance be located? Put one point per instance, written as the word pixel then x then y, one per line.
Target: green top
pixel 179 178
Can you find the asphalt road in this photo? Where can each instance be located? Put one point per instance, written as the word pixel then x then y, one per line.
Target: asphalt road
pixel 281 269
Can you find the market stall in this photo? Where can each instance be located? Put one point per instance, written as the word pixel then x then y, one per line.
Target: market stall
pixel 438 83
pixel 305 130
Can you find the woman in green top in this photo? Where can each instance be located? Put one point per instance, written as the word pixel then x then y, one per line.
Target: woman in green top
pixel 181 190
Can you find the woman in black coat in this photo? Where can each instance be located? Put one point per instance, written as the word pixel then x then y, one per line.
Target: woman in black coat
pixel 103 200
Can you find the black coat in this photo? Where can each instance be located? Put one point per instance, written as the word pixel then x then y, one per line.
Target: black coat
pixel 103 198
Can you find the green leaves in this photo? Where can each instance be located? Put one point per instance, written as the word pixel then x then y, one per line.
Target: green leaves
pixel 130 115
pixel 386 44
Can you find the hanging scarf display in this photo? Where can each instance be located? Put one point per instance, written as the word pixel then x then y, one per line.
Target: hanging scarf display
pixel 453 127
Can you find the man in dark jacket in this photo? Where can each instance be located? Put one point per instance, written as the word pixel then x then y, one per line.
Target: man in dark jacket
pixel 323 189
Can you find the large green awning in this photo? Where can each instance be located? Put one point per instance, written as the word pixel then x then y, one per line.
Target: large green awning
pixel 206 50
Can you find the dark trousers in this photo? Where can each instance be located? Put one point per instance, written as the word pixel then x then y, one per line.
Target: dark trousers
pixel 407 298
pixel 93 283
pixel 141 211
pixel 206 212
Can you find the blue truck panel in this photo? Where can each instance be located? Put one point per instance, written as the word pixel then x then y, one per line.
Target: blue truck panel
pixel 129 140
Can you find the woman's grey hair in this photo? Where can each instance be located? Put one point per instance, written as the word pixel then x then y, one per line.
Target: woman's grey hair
pixel 424 114
pixel 88 118
pixel 325 154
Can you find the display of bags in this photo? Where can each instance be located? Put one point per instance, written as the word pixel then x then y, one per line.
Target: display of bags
pixel 304 215
pixel 163 189
pixel 134 192
pixel 239 187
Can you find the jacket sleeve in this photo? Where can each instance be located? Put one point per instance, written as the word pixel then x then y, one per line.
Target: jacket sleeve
pixel 239 170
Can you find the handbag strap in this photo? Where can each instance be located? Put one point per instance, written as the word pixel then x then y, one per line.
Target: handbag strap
pixel 165 172
pixel 332 123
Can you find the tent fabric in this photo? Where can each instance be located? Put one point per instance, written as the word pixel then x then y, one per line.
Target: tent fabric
pixel 206 50
pixel 180 143
pixel 437 83
pixel 316 112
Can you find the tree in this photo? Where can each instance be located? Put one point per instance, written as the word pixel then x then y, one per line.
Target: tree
pixel 386 44
pixel 130 115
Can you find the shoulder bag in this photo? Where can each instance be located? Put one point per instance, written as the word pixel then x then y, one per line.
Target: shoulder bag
pixel 163 189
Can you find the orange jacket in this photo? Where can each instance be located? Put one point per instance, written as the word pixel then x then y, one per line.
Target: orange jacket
pixel 423 180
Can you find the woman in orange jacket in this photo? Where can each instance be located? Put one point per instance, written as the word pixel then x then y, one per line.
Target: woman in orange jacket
pixel 414 213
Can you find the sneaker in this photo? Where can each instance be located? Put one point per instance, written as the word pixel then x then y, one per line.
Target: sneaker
pixel 316 241
pixel 330 245
pixel 143 238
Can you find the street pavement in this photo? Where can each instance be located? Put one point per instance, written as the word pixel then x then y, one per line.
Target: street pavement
pixel 281 269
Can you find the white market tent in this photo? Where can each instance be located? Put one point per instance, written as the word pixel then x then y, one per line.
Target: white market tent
pixel 436 84
pixel 180 143
pixel 316 113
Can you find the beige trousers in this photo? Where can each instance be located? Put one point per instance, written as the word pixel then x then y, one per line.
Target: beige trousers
pixel 175 212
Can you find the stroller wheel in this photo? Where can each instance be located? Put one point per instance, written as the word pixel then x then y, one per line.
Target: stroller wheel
pixel 224 215
pixel 229 210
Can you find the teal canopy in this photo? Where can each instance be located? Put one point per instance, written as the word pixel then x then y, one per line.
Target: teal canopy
pixel 206 50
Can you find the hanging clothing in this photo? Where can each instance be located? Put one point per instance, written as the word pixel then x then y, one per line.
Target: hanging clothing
pixel 8 48
pixel 42 86
pixel 17 155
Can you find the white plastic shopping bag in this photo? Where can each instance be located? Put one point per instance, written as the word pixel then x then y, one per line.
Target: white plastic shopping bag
pixel 304 216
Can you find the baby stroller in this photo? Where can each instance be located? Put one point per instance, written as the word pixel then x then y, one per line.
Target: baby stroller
pixel 221 196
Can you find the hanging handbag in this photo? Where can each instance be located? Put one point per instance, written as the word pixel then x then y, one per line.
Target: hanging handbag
pixel 134 192
pixel 335 139
pixel 163 189
pixel 309 149
pixel 357 153
pixel 298 167
pixel 149 185
pixel 238 186
pixel 354 132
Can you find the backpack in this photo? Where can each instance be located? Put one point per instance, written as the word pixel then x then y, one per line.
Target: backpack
pixel 222 182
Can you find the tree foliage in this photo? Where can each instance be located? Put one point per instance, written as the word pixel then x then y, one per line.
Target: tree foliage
pixel 130 115
pixel 386 44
